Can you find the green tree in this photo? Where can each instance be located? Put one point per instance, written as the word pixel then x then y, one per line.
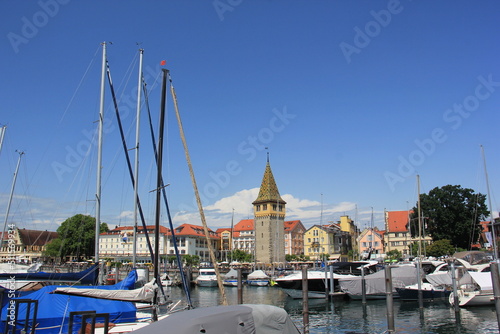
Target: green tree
pixel 53 249
pixel 77 235
pixel 451 212
pixel 440 248
pixel 191 260
pixel 240 256
pixel 394 254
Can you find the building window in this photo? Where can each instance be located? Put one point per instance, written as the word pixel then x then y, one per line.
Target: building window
pixel 264 207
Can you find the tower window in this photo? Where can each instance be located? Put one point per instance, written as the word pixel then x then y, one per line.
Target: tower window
pixel 264 207
pixel 274 207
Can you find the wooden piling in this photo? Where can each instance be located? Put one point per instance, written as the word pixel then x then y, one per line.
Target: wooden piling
pixel 305 300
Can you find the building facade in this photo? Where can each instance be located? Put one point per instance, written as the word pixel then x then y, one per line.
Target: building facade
pixel 117 244
pixel 294 237
pixel 24 246
pixel 371 243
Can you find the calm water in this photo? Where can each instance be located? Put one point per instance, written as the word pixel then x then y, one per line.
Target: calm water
pixel 351 316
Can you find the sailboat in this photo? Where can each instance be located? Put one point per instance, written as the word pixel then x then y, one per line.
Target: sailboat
pixel 476 288
pixel 422 290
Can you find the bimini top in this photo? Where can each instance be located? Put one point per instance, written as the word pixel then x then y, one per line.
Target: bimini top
pixel 241 319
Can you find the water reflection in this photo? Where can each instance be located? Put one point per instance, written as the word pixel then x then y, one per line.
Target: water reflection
pixel 354 317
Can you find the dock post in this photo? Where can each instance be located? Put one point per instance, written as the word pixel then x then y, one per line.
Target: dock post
pixel 454 284
pixel 305 300
pixel 363 285
pixel 327 292
pixel 332 282
pixel 389 299
pixel 495 278
pixel 240 287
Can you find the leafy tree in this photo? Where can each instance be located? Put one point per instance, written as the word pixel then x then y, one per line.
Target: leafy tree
pixel 191 260
pixel 394 254
pixel 451 212
pixel 440 248
pixel 353 254
pixel 77 236
pixel 53 248
pixel 240 256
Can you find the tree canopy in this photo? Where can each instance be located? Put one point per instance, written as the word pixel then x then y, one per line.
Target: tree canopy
pixel 451 212
pixel 76 238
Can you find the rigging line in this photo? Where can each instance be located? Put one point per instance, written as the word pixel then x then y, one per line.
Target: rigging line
pixel 79 84
pixel 197 195
pixel 126 78
pixel 164 194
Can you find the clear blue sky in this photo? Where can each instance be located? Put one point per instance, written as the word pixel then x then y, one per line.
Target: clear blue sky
pixel 352 98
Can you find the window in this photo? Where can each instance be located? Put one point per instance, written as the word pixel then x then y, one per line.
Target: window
pixel 264 207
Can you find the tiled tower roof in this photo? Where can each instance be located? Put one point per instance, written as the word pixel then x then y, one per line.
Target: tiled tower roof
pixel 268 189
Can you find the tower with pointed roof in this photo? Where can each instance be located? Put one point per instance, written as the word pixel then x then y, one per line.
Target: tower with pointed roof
pixel 269 217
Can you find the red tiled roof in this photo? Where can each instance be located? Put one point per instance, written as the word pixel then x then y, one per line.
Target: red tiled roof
pixel 36 238
pixel 397 221
pixel 292 225
pixel 193 230
pixel 140 229
pixel 244 225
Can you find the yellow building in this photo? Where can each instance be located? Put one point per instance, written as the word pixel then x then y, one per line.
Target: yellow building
pixel 319 242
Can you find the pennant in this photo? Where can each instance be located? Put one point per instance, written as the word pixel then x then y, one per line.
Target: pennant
pixel 163 63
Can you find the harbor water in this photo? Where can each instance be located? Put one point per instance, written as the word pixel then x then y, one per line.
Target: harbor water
pixel 347 316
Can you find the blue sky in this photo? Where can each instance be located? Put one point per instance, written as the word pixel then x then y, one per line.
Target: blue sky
pixel 352 98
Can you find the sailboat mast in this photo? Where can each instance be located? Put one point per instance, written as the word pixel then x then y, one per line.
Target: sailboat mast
pixel 11 194
pixel 419 218
pixel 492 222
pixel 99 156
pixel 136 172
pixel 2 134
pixel 159 186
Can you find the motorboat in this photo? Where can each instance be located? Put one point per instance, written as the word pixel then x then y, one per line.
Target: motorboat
pixel 430 292
pixel 474 289
pixel 206 277
pixel 292 283
pixel 375 285
pixel 231 278
pixel 258 278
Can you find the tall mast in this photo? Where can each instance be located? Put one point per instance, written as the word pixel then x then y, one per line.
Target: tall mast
pixel 492 222
pixel 136 174
pixel 419 218
pixel 2 134
pixel 99 157
pixel 159 186
pixel 11 194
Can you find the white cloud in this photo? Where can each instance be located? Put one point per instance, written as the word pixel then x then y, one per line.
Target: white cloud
pixel 220 213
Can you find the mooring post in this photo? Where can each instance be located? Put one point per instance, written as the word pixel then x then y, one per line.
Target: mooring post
pixel 305 300
pixel 240 287
pixel 454 284
pixel 495 278
pixel 389 300
pixel 363 285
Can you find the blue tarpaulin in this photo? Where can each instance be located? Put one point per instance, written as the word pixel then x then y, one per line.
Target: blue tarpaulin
pixel 54 309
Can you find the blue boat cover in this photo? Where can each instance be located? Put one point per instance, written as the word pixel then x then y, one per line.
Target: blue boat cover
pixel 88 276
pixel 54 309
